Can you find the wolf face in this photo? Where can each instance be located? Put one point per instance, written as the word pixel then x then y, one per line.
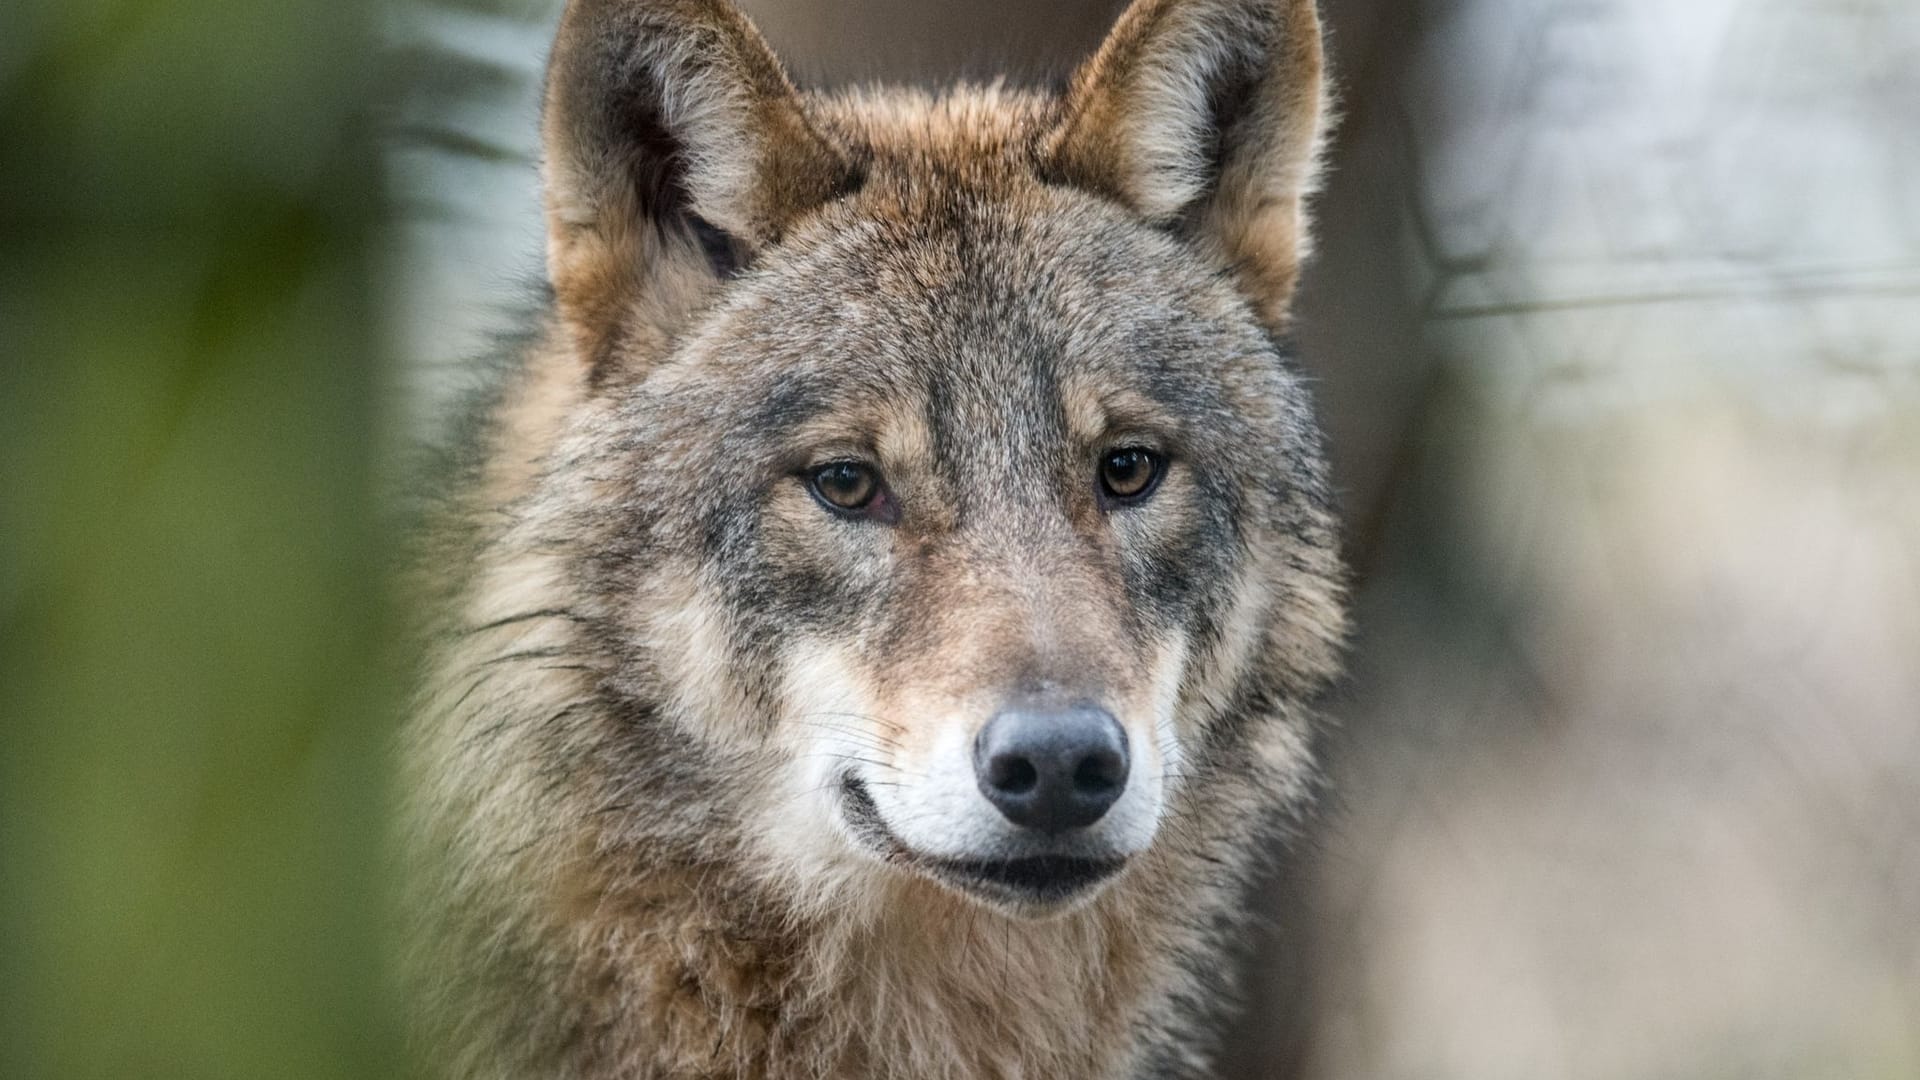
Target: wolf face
pixel 966 476
pixel 991 542
pixel 911 504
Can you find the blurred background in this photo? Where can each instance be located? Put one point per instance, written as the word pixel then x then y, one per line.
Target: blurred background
pixel 1616 327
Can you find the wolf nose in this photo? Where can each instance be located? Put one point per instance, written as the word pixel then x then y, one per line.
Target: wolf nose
pixel 1052 769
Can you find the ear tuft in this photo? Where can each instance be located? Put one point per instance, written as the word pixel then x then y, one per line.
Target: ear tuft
pixel 1207 116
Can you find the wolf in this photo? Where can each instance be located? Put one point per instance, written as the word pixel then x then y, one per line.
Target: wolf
pixel 876 625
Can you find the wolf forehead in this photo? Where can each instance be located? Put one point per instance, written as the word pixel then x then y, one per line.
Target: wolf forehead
pixel 960 310
pixel 994 338
pixel 958 282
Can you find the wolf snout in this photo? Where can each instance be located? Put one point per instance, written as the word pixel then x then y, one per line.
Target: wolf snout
pixel 1052 769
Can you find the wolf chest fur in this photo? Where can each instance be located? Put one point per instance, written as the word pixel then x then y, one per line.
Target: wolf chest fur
pixel 875 623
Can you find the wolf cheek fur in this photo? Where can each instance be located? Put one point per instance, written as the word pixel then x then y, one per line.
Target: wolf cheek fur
pixel 887 659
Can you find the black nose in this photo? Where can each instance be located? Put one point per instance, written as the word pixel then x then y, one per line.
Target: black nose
pixel 1052 769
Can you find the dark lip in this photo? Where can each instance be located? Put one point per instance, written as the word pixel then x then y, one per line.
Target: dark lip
pixel 1041 880
pixel 1032 879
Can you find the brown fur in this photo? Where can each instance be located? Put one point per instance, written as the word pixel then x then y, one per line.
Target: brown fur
pixel 621 866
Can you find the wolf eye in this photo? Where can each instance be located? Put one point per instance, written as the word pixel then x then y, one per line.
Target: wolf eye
pixel 1129 474
pixel 849 487
pixel 845 485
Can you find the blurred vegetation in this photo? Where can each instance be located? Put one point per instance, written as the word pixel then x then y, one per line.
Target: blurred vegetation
pixel 192 704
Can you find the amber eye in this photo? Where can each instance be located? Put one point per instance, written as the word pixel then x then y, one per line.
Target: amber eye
pixel 845 485
pixel 1129 474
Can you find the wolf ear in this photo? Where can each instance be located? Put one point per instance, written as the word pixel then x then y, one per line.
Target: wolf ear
pixel 674 146
pixel 1206 116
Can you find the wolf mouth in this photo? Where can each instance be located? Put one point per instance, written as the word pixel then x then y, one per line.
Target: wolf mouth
pixel 1042 880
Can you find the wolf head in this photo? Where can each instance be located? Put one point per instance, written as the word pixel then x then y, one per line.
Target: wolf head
pixel 945 490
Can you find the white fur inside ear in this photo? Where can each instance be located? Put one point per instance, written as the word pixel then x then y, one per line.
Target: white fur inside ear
pixel 1170 135
pixel 1191 100
pixel 710 110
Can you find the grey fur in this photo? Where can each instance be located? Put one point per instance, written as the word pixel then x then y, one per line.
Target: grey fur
pixel 626 579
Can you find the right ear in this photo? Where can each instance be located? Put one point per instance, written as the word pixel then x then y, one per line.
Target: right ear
pixel 1206 116
pixel 674 147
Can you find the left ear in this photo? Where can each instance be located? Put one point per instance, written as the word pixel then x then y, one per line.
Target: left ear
pixel 1206 116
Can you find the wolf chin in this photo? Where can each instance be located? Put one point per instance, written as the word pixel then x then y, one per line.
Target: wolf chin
pixel 875 624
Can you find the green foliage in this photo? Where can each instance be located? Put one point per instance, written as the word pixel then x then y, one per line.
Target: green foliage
pixel 193 693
